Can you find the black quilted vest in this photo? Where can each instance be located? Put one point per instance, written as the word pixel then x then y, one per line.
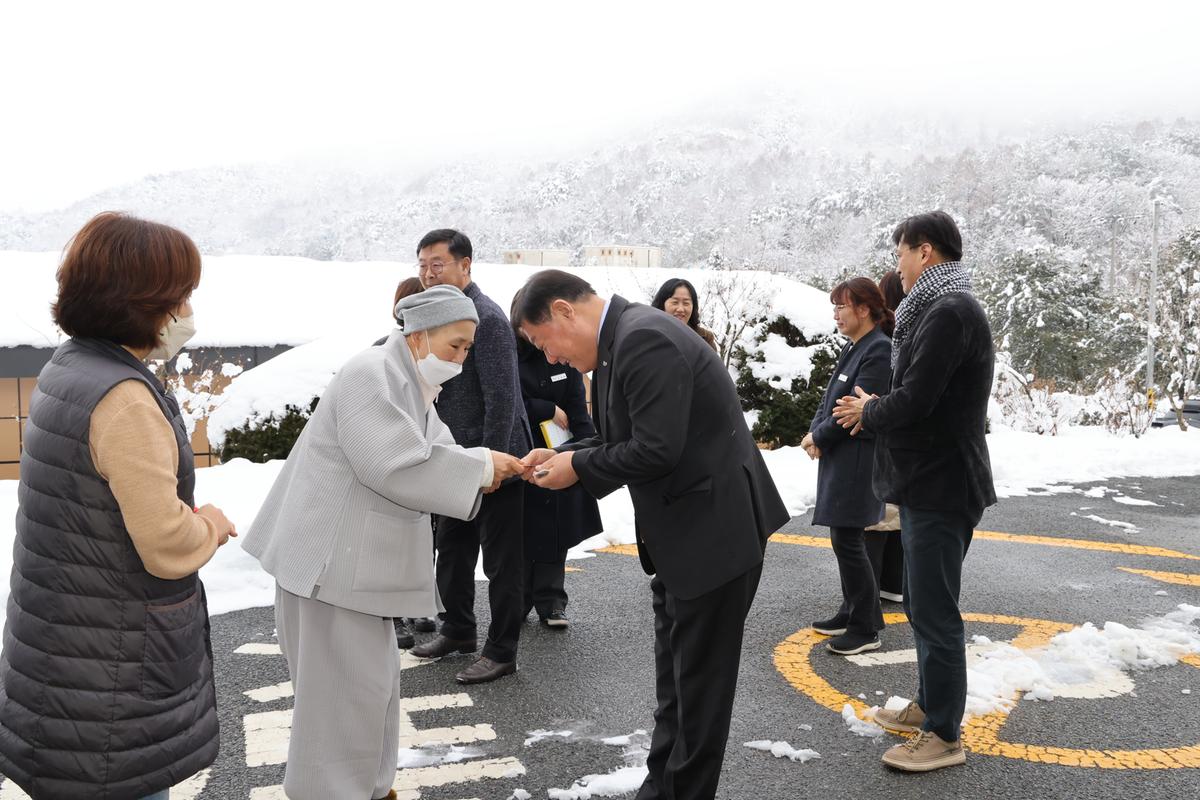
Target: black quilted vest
pixel 106 685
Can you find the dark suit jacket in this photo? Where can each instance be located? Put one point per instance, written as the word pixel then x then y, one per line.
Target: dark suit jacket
pixel 672 429
pixel 844 494
pixel 931 452
pixel 554 520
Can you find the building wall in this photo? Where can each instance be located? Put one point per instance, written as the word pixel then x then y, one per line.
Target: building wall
pixel 545 257
pixel 19 367
pixel 622 256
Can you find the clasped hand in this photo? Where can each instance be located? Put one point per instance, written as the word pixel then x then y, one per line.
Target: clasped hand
pixel 849 409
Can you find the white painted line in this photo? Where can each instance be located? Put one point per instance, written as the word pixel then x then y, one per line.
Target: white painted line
pixel 431 702
pixel 459 734
pixel 259 649
pixel 266 735
pixel 410 781
pixel 269 693
pixel 462 772
pixel 187 790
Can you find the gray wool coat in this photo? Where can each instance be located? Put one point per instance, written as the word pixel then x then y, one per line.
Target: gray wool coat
pixel 348 519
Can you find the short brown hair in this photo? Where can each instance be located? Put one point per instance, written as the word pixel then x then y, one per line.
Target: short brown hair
pixel 407 286
pixel 121 276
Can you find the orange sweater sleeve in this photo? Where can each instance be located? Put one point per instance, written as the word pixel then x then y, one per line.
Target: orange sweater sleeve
pixel 134 449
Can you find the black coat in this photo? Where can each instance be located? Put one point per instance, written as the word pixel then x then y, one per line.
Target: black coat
pixel 672 429
pixel 931 451
pixel 555 520
pixel 844 494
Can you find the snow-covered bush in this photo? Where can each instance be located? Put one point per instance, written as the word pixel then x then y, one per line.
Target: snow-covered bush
pixel 267 438
pixel 1124 406
pixel 782 376
pixel 1177 329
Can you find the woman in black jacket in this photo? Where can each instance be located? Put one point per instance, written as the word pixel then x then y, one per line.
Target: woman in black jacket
pixel 555 521
pixel 845 500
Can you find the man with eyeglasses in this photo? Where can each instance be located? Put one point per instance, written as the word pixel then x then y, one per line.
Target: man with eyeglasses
pixel 931 459
pixel 482 406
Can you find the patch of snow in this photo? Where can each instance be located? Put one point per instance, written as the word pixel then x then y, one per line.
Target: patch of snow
pixel 1134 501
pixel 860 727
pixel 540 735
pixel 1114 523
pixel 783 750
pixel 613 784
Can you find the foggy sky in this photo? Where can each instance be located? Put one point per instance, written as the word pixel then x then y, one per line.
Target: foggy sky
pixel 95 95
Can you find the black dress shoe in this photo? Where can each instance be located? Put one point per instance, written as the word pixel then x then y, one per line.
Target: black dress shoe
pixel 484 670
pixel 404 637
pixel 556 619
pixel 834 626
pixel 422 624
pixel 439 647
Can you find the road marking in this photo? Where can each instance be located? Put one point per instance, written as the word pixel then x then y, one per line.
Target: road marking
pixel 409 781
pixel 793 659
pixel 1179 578
pixel 267 733
pixel 259 649
pixel 187 790
pixel 995 536
pixel 268 694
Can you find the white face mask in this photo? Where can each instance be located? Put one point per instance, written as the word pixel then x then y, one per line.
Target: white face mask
pixel 436 371
pixel 171 339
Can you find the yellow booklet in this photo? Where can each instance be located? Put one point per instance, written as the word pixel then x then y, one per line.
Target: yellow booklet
pixel 554 434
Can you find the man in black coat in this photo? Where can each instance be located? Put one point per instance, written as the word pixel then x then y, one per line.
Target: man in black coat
pixel 482 407
pixel 931 459
pixel 672 430
pixel 554 521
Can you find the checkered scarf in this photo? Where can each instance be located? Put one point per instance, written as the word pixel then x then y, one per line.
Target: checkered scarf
pixel 945 278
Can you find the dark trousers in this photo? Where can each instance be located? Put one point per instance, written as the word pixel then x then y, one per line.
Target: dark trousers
pixel 935 544
pixel 697 650
pixel 887 559
pixel 545 586
pixel 498 530
pixel 860 594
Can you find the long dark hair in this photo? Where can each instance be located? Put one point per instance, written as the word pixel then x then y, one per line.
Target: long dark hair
pixel 864 292
pixel 892 288
pixel 667 289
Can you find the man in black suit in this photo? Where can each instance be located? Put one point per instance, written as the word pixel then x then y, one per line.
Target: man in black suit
pixel 672 430
pixel 931 459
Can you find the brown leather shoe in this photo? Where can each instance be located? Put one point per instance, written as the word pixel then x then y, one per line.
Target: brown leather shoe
pixel 440 647
pixel 391 795
pixel 484 670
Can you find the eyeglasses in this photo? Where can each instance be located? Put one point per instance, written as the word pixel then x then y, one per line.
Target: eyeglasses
pixel 436 266
pixel 897 253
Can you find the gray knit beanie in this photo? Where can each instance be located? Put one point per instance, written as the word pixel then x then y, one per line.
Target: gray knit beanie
pixel 434 307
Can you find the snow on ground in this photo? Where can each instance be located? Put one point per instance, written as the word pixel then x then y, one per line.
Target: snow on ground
pixel 783 750
pixel 235 581
pixel 623 781
pixel 1085 662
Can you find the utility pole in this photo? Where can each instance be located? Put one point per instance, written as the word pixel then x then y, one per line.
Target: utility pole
pixel 1151 296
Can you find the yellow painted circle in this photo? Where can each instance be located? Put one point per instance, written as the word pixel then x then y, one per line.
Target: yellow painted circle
pixel 793 659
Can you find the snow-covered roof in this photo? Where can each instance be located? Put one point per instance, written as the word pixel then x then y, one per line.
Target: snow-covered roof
pixel 273 300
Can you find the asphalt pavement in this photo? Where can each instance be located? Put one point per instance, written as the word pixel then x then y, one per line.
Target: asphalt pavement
pixel 1040 564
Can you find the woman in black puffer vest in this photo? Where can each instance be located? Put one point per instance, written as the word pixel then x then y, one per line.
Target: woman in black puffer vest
pixel 106 682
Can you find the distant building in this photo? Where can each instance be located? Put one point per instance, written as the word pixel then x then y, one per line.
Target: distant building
pixel 622 255
pixel 545 257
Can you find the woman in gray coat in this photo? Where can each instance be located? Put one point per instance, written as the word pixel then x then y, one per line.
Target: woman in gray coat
pixel 845 500
pixel 346 533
